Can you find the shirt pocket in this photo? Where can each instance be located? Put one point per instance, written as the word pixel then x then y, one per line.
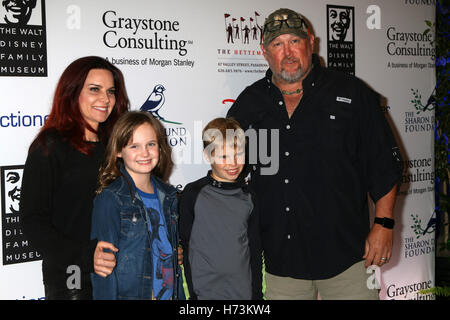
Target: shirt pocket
pixel 132 224
pixel 337 135
pixel 128 276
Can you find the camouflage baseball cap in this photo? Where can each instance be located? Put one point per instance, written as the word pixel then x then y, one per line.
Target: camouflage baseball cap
pixel 284 21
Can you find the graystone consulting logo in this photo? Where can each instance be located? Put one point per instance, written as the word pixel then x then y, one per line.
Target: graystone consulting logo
pixel 23 41
pixel 407 43
pixel 418 176
pixel 341 38
pixel 148 33
pixel 410 291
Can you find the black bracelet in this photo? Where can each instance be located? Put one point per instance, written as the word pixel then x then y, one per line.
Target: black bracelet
pixel 388 223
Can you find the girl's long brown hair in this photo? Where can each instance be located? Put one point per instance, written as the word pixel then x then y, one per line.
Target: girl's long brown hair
pixel 65 116
pixel 121 136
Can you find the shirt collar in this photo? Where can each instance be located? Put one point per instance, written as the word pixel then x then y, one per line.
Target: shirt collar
pixel 239 183
pixel 162 187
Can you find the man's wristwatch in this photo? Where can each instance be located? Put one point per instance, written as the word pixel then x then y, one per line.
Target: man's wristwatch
pixel 385 222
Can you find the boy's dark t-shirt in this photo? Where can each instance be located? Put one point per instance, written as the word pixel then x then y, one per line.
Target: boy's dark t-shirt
pixel 218 254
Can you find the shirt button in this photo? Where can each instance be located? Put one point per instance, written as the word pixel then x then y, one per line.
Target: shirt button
pixel 280 103
pixel 288 127
pixel 286 153
pixel 286 181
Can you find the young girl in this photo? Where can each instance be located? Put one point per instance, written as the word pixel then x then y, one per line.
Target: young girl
pixel 136 211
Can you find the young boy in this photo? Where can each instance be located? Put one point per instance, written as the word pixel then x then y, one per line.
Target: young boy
pixel 219 228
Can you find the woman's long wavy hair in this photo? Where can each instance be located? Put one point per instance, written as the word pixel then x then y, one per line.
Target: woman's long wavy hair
pixel 121 136
pixel 65 116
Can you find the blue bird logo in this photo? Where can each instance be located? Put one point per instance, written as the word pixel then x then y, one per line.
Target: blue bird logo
pixel 154 103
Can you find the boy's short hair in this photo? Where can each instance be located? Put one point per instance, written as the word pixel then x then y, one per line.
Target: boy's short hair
pixel 222 131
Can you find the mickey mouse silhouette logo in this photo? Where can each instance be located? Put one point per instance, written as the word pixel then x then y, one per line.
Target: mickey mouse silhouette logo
pixel 339 23
pixel 17 12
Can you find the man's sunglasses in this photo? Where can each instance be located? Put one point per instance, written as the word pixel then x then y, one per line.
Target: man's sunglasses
pixel 276 25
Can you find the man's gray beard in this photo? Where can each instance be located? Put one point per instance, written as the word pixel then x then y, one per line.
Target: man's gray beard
pixel 291 77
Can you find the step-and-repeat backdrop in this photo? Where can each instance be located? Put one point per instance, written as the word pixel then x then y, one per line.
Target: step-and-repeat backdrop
pixel 199 55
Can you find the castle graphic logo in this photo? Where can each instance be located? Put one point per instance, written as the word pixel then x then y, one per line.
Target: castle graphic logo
pixel 155 102
pixel 242 30
pixel 241 51
pixel 23 41
pixel 341 38
pixel 16 248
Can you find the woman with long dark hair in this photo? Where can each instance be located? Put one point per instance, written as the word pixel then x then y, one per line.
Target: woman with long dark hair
pixel 60 175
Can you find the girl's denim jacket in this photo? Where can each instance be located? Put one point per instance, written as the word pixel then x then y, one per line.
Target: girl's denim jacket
pixel 119 217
